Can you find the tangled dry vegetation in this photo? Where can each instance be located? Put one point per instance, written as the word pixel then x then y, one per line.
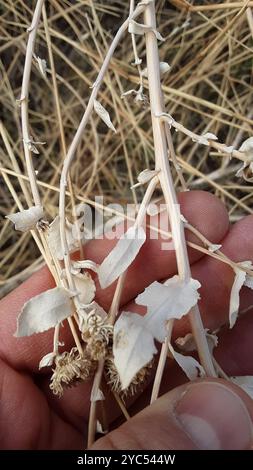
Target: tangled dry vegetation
pixel 207 89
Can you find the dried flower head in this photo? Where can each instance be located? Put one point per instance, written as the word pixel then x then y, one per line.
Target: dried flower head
pixel 70 368
pixel 113 379
pixel 97 333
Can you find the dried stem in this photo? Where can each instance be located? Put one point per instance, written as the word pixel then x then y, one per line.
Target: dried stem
pixel 93 404
pixel 78 137
pixel 32 31
pixel 161 152
pixel 121 405
pixel 161 363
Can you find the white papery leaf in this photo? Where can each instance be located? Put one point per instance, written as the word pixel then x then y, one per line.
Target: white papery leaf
pixel 104 115
pixel 234 303
pixel 32 147
pixel 146 175
pixel 54 238
pixel 138 28
pixel 26 220
pixel 121 256
pixel 153 209
pixel 133 346
pixel 137 61
pixel 85 264
pixel 85 287
pixel 209 136
pixel 164 68
pixel 99 428
pixel 182 217
pixel 97 395
pixel 235 297
pixel 44 311
pixel 144 72
pixel 129 92
pixel 188 364
pixel 245 382
pixel 167 301
pixel 248 281
pixel 227 149
pixel 144 2
pixel 247 147
pixel 212 248
pixel 47 360
pixel 42 66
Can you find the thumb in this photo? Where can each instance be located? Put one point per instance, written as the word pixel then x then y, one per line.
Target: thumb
pixel 207 414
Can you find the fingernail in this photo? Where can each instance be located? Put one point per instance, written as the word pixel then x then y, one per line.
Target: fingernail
pixel 214 417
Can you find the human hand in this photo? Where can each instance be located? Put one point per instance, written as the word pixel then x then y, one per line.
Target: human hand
pixel 205 414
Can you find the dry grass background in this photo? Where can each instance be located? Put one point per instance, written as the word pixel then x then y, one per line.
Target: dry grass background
pixel 208 88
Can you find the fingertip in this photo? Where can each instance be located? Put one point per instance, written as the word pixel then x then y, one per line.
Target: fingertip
pixel 205 212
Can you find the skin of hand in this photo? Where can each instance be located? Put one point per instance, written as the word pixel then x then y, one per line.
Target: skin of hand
pixel 206 414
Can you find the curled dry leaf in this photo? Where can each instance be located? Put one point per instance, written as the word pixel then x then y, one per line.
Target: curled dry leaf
pixel 26 220
pixel 247 148
pixel 104 115
pixel 213 248
pixel 133 346
pixel 167 301
pixel 188 364
pixel 144 2
pixel 97 395
pixel 42 66
pixel 121 256
pixel 234 303
pixel 246 171
pixel 44 311
pixel 85 287
pixel 145 176
pixel 209 136
pixel 54 238
pixel 47 360
pixel 100 429
pixel 85 264
pixel 245 382
pixel 153 209
pixel 182 217
pixel 31 144
pixel 164 68
pixel 138 28
pixel 187 343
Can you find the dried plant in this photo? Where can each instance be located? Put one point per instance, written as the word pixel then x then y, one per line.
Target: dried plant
pixel 121 345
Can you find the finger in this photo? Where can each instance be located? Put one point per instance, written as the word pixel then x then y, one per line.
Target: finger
pixel 235 348
pixel 217 278
pixel 206 415
pixel 25 417
pixel 200 208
